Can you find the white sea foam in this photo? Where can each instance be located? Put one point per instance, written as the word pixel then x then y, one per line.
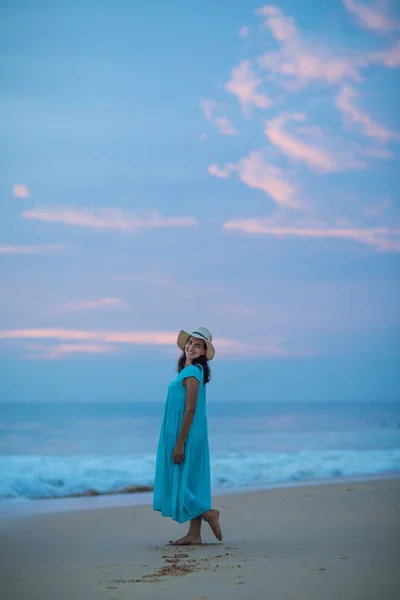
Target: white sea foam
pixel 59 450
pixel 47 476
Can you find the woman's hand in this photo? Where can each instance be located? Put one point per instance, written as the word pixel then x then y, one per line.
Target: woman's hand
pixel 178 454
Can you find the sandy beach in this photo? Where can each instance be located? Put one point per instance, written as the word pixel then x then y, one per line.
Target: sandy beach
pixel 319 542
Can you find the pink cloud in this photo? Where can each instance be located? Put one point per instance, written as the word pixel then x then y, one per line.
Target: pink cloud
pixel 208 107
pixel 62 334
pixel 244 31
pixel 241 349
pixel 345 103
pixel 301 63
pixel 382 238
pixel 389 57
pixel 298 60
pixel 243 84
pixel 56 352
pixel 343 222
pixel 316 158
pixel 218 172
pixel 98 342
pixel 148 278
pixel 370 17
pixel 33 249
pixel 235 309
pixel 378 209
pixel 122 337
pixel 107 218
pixel 84 348
pixel 256 173
pixel 382 153
pixel 20 191
pixel 282 28
pixel 223 124
pixel 305 65
pixel 99 304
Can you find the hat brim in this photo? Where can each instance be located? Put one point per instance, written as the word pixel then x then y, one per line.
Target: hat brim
pixel 183 337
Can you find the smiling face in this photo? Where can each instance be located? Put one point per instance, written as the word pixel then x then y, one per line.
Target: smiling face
pixel 194 348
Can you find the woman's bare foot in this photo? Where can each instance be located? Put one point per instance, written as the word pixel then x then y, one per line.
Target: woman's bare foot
pixel 212 518
pixel 187 540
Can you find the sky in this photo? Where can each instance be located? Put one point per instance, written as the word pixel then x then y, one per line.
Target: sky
pixel 172 165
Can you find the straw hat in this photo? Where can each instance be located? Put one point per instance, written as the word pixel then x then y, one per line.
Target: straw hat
pixel 203 334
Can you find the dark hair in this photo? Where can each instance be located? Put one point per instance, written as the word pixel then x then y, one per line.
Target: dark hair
pixel 201 360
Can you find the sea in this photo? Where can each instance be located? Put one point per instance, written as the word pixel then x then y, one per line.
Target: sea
pixel 54 450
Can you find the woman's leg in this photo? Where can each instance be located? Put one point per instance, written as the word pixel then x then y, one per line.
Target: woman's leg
pixel 212 518
pixel 195 528
pixel 193 536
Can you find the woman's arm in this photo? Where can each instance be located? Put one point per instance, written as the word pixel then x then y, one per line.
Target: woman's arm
pixel 192 389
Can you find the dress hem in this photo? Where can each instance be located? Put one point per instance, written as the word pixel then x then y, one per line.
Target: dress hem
pixel 186 520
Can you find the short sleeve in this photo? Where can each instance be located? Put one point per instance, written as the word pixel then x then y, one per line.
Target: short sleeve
pixel 193 371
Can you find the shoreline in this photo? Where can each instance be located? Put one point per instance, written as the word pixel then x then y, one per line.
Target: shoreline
pixel 22 508
pixel 299 542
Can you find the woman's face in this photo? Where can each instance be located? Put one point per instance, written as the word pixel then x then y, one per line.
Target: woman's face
pixel 194 348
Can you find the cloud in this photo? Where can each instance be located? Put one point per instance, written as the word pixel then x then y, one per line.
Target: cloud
pixel 343 222
pixel 223 124
pixel 389 57
pixel 316 158
pixel 34 249
pixel 38 351
pixel 240 349
pixel 378 209
pixel 244 31
pixel 83 348
pixel 298 60
pixel 107 218
pixel 148 278
pixel 208 107
pixel 282 28
pixel 256 173
pixel 370 17
pixel 235 309
pixel 243 84
pixel 301 63
pixel 99 304
pixel 382 153
pixel 218 172
pixel 381 238
pixel 344 101
pixel 20 191
pixel 122 337
pixel 98 342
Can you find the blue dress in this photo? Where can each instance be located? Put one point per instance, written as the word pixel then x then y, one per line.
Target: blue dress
pixel 183 491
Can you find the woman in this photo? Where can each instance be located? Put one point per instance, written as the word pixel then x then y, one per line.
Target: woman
pixel 182 487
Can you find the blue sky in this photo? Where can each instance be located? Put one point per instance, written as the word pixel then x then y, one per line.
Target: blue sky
pixel 171 165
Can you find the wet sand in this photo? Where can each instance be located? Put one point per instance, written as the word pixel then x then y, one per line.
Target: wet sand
pixel 321 542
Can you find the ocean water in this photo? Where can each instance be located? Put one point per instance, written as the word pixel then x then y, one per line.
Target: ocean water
pixel 49 450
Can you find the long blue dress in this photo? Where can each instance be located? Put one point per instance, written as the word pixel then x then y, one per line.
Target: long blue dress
pixel 183 491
